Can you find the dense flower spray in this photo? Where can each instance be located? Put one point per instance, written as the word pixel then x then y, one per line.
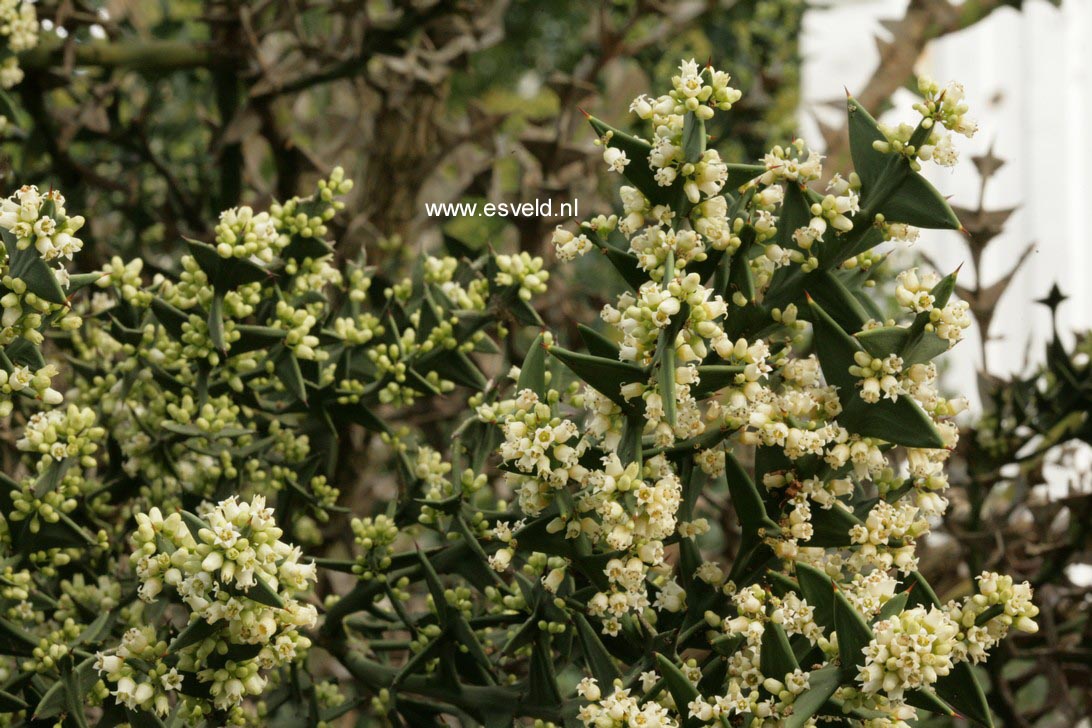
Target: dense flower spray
pixel 238 581
pixel 741 395
pixel 677 330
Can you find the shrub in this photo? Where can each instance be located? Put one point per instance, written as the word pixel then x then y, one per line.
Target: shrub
pixel 147 580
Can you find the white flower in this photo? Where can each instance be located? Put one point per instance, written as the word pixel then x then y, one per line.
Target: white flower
pixel 616 159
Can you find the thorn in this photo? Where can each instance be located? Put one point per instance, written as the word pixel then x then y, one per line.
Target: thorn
pixel 958 268
pixel 709 63
pixel 848 94
pixel 964 230
pixel 586 114
pixel 808 296
pixel 1053 299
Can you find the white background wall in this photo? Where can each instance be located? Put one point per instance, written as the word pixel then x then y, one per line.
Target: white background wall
pixel 1028 77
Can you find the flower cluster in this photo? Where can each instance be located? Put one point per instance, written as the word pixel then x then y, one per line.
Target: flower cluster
pixel 620 708
pixel 18 32
pixel 792 163
pixel 619 507
pixel 523 272
pixel 149 690
pixel 538 444
pixel 910 651
pixel 63 434
pixel 632 515
pixel 985 618
pixel 37 232
pixel 39 220
pixel 748 689
pixel 916 292
pixel 374 536
pixel 24 380
pixel 878 376
pixel 698 91
pixel 569 246
pixel 239 581
pixel 307 217
pixel 243 234
pixel 940 109
pixel 237 547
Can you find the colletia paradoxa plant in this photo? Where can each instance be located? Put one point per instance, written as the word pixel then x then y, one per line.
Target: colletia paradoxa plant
pixel 163 536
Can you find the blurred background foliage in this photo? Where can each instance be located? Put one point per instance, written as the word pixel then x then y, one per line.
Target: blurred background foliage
pixel 153 116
